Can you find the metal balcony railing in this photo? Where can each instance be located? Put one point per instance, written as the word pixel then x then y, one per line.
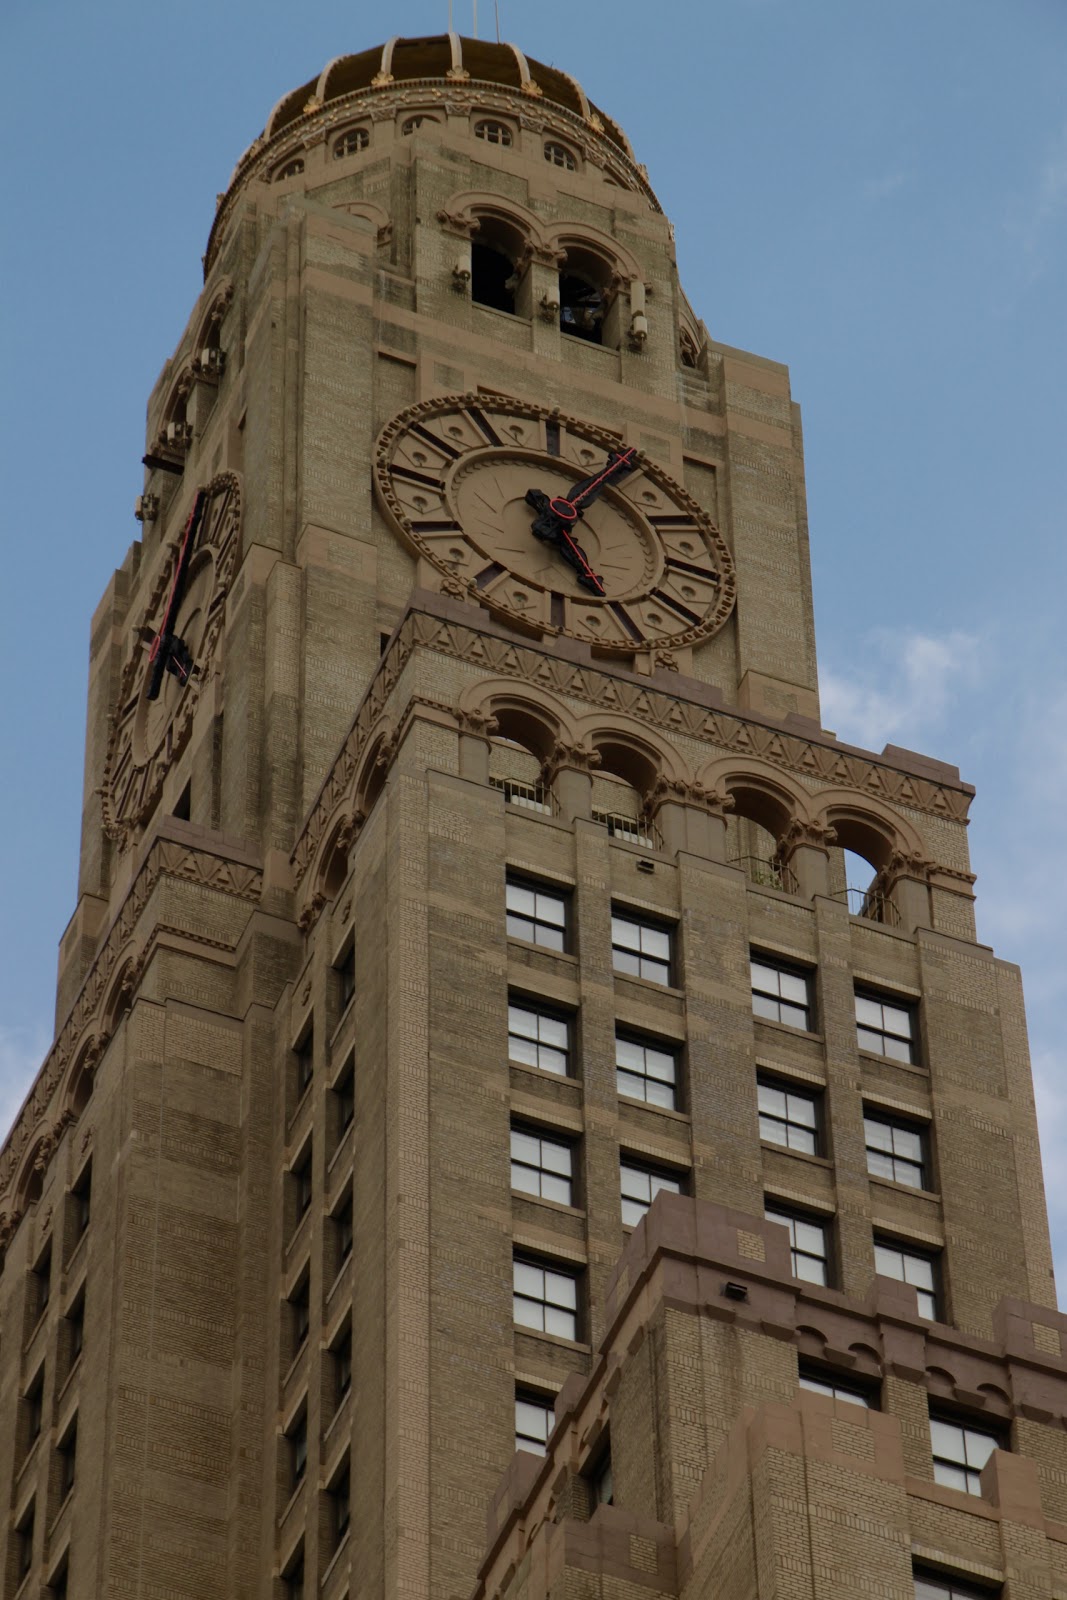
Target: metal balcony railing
pixel 872 904
pixel 768 873
pixel 632 830
pixel 528 796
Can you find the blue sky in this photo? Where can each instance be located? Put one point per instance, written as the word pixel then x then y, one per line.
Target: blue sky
pixel 876 195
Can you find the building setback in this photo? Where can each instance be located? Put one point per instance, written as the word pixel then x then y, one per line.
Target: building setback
pixel 509 1055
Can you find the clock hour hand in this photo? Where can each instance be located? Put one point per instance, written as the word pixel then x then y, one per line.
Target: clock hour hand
pixel 554 529
pixel 170 653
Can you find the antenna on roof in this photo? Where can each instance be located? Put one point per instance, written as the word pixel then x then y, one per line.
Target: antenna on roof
pixel 475 4
pixel 496 8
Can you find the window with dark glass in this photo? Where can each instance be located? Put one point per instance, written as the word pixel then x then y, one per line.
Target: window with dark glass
pixel 536 915
pixel 341 1360
pixel 538 1038
pixel 342 1225
pixel 534 1419
pixel 75 1320
pixel 344 1093
pixel 35 1408
pixel 341 1503
pixel 493 133
pixel 300 1312
pixel 600 1479
pixel 640 949
pixel 351 143
pixel 542 1166
pixel 781 994
pixel 645 1071
pixel 41 1282
pixel 297 1441
pixel 640 1185
pixel 960 1452
pixel 346 976
pixel 545 1298
pixel 808 1246
pixel 294 1577
pixel 68 1447
pixel 24 1542
pixel 788 1116
pixel 935 1586
pixel 893 1260
pixel 305 1061
pixel 81 1196
pixel 302 1187
pixel 820 1382
pixel 895 1150
pixel 560 156
pixel 885 1028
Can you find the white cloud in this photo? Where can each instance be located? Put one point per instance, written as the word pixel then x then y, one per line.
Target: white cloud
pixel 1035 212
pixel 21 1052
pixel 909 687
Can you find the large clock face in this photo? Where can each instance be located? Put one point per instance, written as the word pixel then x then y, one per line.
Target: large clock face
pixel 170 655
pixel 459 478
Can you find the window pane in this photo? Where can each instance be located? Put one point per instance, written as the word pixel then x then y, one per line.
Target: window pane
pixel 524 1147
pixel 628 1054
pixel 951 1477
pixel 556 1157
pixel 626 934
pixel 793 988
pixel 529 1280
pixel 908 1144
pixel 879 1134
pixel 947 1440
pixel 801 1109
pixel 869 1041
pixel 879 1165
pixel 561 1290
pixel 765 978
pixel 868 1011
pixel 658 1064
pixel 656 943
pixel 979 1447
pixel 888 1262
pixel 896 1020
pixel 553 1188
pixel 659 1094
pixel 529 1313
pixel 810 1270
pixel 809 1237
pixel 772 1100
pixel 793 1015
pixel 636 1185
pixel 561 1323
pixel 520 899
pixel 896 1049
pixel 524 1179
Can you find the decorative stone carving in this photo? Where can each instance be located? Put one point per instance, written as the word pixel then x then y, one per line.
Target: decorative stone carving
pixel 478 722
pixel 574 757
pixel 459 222
pixel 667 660
pixel 311 912
pixel 811 834
pixel 716 802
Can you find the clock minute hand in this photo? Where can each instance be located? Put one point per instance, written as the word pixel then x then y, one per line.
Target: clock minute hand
pixel 587 490
pixel 550 527
pixel 169 653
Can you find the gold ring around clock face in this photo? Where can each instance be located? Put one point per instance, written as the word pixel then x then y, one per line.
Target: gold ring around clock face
pixel 452 476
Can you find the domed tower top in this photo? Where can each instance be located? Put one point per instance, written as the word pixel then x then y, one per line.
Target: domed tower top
pixel 429 69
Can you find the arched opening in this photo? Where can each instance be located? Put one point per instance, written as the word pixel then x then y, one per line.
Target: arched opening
pixel 621 793
pixel 582 304
pixel 518 751
pixel 858 867
pixel 754 830
pixel 493 281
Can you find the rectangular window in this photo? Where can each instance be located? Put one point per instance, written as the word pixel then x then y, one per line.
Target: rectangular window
pixel 789 1117
pixel 646 1072
pixel 640 949
pixel 35 1409
pixel 341 1504
pixel 541 1166
pixel 341 1360
pixel 807 1244
pixel 781 994
pixel 600 1479
pixel 294 1577
pixel 41 1286
pixel 909 1266
pixel 545 1299
pixel 302 1182
pixel 344 1092
pixel 539 1038
pixel 346 977
pixel 80 1197
pixel 24 1542
pixel 300 1313
pixel 931 1586
pixel 960 1453
pixel 68 1447
pixel 75 1320
pixel 824 1383
pixel 888 1030
pixel 895 1150
pixel 305 1062
pixel 536 915
pixel 342 1225
pixel 640 1186
pixel 297 1440
pixel 534 1419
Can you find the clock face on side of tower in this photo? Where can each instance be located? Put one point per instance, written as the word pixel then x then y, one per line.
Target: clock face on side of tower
pixel 169 658
pixel 552 523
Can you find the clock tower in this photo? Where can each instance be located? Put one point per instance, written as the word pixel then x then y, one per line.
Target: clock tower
pixel 508 1053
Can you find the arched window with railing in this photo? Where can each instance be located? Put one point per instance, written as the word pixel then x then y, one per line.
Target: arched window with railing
pixel 754 830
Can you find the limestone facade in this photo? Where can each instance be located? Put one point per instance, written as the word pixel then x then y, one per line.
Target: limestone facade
pixel 450 914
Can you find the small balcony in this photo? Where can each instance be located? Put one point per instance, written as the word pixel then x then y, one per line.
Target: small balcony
pixel 767 872
pixel 631 830
pixel 526 796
